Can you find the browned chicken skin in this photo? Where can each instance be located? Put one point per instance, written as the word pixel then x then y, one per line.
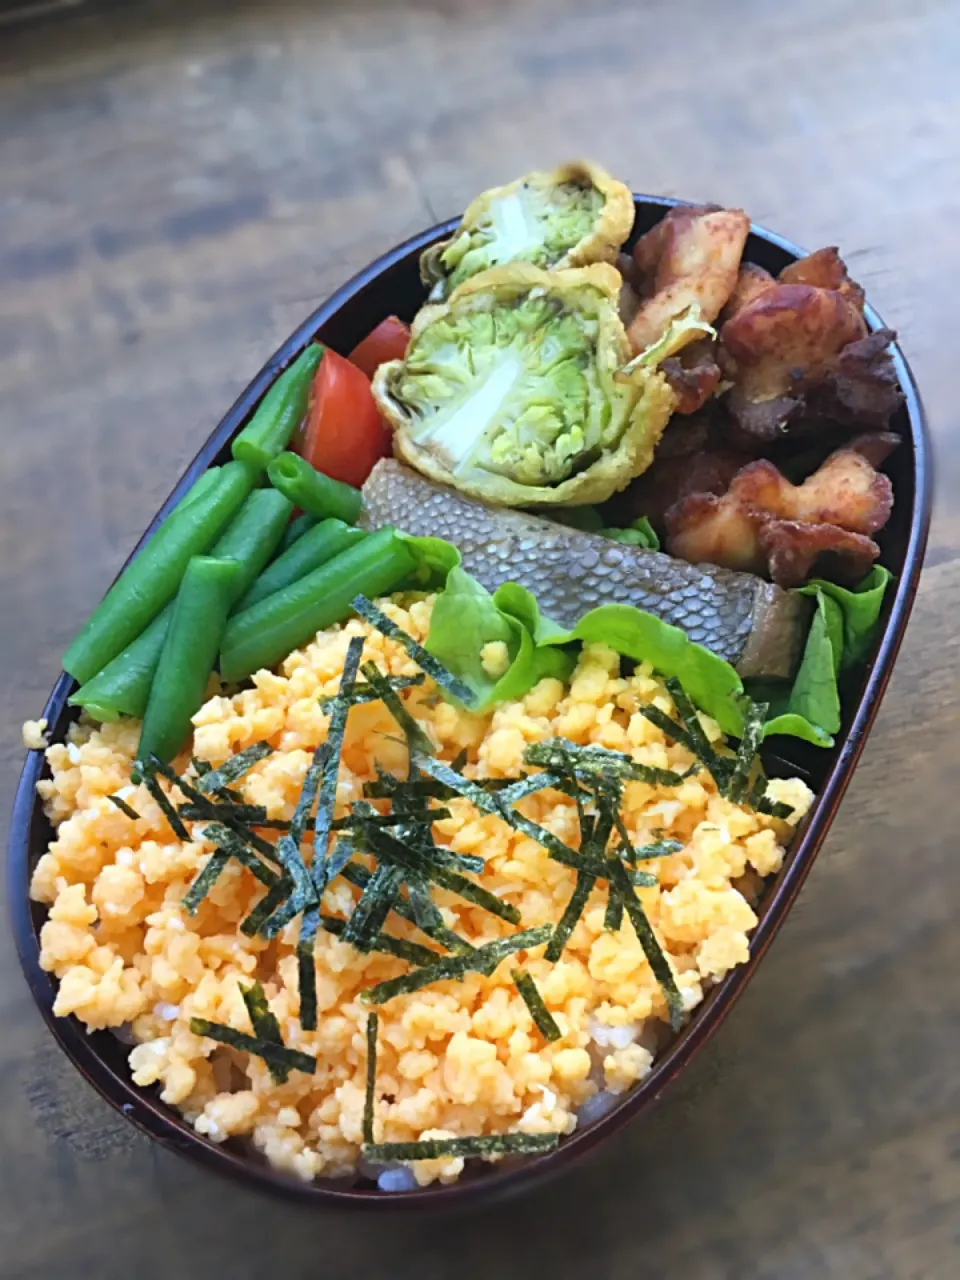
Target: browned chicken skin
pixel 764 524
pixel 691 257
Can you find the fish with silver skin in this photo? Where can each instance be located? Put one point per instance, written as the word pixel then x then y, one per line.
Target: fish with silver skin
pixel 757 627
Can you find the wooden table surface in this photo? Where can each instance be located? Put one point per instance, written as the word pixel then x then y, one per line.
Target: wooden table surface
pixel 180 183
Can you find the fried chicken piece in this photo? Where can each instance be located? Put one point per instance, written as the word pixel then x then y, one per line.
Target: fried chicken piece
pixel 690 258
pixel 825 269
pixel 862 389
pixel 629 298
pixel 846 491
pixel 795 552
pixel 693 374
pixel 763 523
pixel 777 347
pixel 751 282
pixel 688 460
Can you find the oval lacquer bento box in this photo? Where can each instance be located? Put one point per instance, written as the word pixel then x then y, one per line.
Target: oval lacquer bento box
pixel 391 285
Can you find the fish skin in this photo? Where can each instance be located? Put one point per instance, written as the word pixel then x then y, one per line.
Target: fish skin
pixel 756 626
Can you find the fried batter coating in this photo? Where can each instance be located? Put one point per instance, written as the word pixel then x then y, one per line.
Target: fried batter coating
pixel 765 524
pixel 777 347
pixel 693 374
pixel 825 269
pixel 689 259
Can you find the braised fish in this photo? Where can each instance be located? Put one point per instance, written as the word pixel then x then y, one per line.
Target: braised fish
pixel 756 626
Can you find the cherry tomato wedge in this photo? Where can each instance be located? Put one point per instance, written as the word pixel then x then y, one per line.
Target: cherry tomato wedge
pixel 344 435
pixel 388 341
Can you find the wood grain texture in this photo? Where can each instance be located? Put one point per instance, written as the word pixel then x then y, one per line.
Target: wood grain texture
pixel 180 183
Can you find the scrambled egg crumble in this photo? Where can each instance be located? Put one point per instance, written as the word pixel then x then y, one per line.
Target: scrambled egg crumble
pixel 457 1058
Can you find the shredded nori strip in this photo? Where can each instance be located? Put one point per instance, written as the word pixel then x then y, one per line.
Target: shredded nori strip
pixel 373 1024
pixel 399 818
pixel 272 1054
pixel 757 799
pixel 572 913
pixel 386 943
pixel 433 927
pixel 775 809
pixel 200 767
pixel 490 1144
pixel 124 807
pixel 265 1025
pixel 362 692
pixel 265 908
pixel 367 917
pixel 530 785
pixel 587 762
pixel 659 849
pixel 327 794
pixel 247 815
pixel 164 804
pixel 304 893
pixel 437 672
pixel 483 960
pixel 539 1012
pixel 613 915
pixel 234 768
pixel 753 721
pixel 233 845
pixel 205 880
pixel 417 858
pixel 656 957
pixel 487 803
pixel 307 969
pixel 214 811
pixel 418 741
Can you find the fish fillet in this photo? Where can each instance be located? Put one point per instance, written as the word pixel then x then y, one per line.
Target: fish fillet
pixel 756 626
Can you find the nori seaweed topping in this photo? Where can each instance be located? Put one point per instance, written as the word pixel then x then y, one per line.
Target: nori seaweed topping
pixel 124 807
pixel 205 880
pixel 272 1054
pixel 373 1024
pixel 490 1144
pixel 232 769
pixel 482 960
pixel 539 1012
pixel 437 672
pixel 327 795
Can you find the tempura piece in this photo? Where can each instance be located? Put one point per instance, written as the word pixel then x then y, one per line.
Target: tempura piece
pixel 573 216
pixel 519 389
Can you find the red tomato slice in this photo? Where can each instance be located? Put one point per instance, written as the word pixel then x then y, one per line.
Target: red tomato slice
pixel 344 435
pixel 388 341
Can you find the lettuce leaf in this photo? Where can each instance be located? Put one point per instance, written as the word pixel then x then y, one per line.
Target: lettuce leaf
pixel 466 617
pixel 840 635
pixel 860 607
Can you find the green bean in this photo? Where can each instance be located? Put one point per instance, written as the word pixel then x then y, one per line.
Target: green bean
pixel 313 491
pixel 123 686
pixel 189 652
pixel 254 535
pixel 152 578
pixel 200 488
pixel 309 552
pixel 279 413
pixel 265 633
pixel 296 529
